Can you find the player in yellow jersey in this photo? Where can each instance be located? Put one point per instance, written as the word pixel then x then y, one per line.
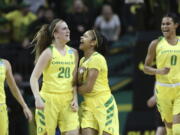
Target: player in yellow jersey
pixel 56 103
pixel 166 51
pixel 99 113
pixel 6 74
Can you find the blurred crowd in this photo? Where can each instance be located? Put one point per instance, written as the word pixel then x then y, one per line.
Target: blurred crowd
pixel 20 19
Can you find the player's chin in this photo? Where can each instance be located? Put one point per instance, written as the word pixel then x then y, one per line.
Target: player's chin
pixel 74 109
pixel 67 39
pixel 166 34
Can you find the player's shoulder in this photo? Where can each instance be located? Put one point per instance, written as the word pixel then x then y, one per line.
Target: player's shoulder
pixel 98 56
pixel 155 42
pixel 48 51
pixel 4 61
pixel 72 50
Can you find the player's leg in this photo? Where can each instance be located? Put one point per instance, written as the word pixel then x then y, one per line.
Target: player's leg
pixel 46 119
pixel 89 131
pixel 111 118
pixel 168 128
pixel 3 120
pixel 165 106
pixel 161 130
pixel 105 133
pixel 72 132
pixel 176 124
pixel 68 121
pixel 89 125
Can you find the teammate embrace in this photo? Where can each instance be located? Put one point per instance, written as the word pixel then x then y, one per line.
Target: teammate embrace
pixel 56 103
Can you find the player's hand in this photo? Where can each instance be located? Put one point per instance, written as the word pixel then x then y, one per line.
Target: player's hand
pixel 39 103
pixel 163 71
pixel 151 101
pixel 27 113
pixel 74 105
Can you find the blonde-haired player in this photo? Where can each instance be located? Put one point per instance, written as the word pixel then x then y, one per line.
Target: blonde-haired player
pixel 56 103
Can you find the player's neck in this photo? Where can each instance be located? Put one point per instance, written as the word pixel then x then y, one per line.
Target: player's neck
pixel 59 45
pixel 172 40
pixel 88 53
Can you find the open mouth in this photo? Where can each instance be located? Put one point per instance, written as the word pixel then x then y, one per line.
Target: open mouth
pixel 165 31
pixel 81 41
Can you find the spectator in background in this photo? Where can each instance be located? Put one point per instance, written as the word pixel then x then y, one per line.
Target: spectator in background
pixel 8 5
pixel 133 15
pixel 35 4
pixel 155 9
pixel 79 20
pixel 20 20
pixel 44 16
pixel 36 24
pixel 5 31
pixel 108 24
pixel 59 7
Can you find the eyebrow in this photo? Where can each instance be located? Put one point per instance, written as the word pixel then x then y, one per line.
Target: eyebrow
pixel 64 27
pixel 85 35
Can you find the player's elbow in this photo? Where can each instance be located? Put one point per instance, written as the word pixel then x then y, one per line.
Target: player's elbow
pixel 89 88
pixel 33 79
pixel 145 70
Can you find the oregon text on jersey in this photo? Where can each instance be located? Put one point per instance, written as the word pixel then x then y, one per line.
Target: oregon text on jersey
pixel 62 62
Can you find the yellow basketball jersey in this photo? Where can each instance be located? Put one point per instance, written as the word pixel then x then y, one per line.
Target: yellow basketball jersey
pixel 58 75
pixel 2 79
pixel 168 56
pixel 98 62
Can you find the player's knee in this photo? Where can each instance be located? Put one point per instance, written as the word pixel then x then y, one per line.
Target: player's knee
pixel 169 131
pixel 161 131
pixel 176 129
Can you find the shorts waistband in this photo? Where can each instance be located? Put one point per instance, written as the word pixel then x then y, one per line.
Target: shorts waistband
pixel 168 84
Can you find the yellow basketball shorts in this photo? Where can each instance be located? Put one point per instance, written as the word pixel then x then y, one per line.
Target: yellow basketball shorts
pixel 168 101
pixel 57 113
pixel 101 114
pixel 3 120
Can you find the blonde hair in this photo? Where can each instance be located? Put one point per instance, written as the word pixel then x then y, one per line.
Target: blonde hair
pixel 44 37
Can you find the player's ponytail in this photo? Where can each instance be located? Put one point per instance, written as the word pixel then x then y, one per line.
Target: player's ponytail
pixel 44 37
pixel 101 45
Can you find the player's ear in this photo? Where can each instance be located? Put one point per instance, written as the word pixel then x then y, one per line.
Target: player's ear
pixel 176 25
pixel 93 43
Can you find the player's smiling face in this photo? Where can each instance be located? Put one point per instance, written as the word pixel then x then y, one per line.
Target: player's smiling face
pixel 168 27
pixel 62 31
pixel 85 41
